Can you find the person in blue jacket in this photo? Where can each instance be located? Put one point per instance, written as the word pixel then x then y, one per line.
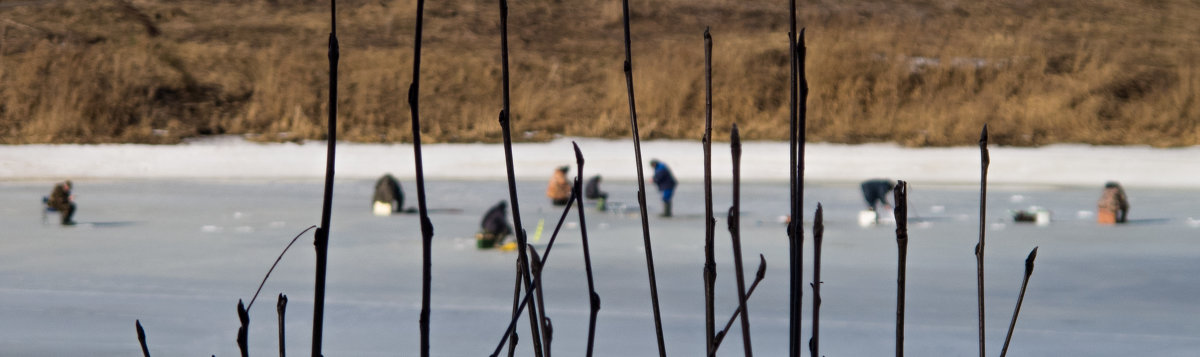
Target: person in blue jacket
pixel 665 182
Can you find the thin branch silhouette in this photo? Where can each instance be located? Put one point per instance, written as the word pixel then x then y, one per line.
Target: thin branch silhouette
pixel 243 336
pixel 735 144
pixel 505 126
pixel 426 225
pixel 141 334
pixel 637 153
pixel 814 344
pixel 277 259
pixel 710 224
pixel 526 300
pixel 321 242
pixel 1020 298
pixel 900 196
pixel 547 331
pixel 593 297
pixel 984 162
pixel 758 277
pixel 281 307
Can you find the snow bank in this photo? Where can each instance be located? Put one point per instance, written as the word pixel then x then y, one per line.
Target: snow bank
pixel 235 158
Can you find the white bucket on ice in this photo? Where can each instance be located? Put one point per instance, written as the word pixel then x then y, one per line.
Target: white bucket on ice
pixel 867 218
pixel 382 208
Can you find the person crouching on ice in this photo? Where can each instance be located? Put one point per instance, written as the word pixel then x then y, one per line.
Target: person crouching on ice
pixel 63 201
pixel 592 192
pixel 494 228
pixel 666 184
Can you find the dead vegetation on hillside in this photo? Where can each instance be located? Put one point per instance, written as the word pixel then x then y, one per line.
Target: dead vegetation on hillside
pixel 917 73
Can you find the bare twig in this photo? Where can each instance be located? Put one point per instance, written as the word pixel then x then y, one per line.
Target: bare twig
pixel 523 302
pixel 322 237
pixel 984 161
pixel 141 333
pixel 1020 298
pixel 243 336
pixel 505 126
pixel 798 88
pixel 426 225
pixel 710 264
pixel 277 259
pixel 814 344
pixel 735 144
pixel 794 228
pixel 516 313
pixel 758 277
pixel 637 152
pixel 281 307
pixel 593 297
pixel 536 264
pixel 900 194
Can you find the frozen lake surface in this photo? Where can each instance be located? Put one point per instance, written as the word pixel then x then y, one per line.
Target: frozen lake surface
pixel 179 253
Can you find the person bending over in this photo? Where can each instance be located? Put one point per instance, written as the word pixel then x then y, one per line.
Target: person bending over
pixel 875 191
pixel 389 197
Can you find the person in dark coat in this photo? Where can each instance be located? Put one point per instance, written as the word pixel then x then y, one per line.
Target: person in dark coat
pixel 666 184
pixel 1113 205
pixel 875 191
pixel 388 191
pixel 494 227
pixel 592 191
pixel 63 201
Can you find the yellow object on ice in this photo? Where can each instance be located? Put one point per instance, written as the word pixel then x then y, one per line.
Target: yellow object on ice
pixel 537 233
pixel 510 246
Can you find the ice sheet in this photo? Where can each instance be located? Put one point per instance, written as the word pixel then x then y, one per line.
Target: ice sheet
pixel 179 254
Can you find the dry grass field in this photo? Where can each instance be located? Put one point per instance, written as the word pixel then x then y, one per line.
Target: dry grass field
pixel 915 72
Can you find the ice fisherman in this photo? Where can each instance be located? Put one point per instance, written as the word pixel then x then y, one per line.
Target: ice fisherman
pixel 666 184
pixel 494 228
pixel 63 201
pixel 559 189
pixel 1113 205
pixel 592 191
pixel 875 191
pixel 389 197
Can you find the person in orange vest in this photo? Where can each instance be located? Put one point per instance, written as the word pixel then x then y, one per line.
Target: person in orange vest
pixel 559 189
pixel 1113 206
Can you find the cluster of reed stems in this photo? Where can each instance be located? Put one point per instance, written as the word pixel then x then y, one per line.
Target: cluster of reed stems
pixel 528 291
